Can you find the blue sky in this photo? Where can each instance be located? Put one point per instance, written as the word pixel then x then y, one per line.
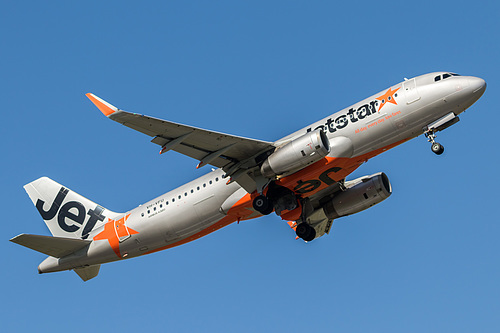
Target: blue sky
pixel 424 260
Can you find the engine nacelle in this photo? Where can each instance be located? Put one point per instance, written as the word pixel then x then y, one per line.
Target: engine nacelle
pixel 297 154
pixel 361 193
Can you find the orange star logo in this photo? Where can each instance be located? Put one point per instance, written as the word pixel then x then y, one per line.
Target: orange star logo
pixel 388 97
pixel 116 232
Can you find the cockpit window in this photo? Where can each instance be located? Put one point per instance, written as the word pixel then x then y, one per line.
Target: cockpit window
pixel 444 76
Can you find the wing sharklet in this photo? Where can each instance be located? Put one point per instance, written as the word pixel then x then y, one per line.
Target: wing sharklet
pixel 106 108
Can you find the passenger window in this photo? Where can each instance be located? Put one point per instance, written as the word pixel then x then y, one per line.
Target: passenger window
pixel 217 179
pixel 204 185
pixel 198 188
pixel 437 78
pixel 185 194
pixel 192 191
pixel 179 197
pixel 210 182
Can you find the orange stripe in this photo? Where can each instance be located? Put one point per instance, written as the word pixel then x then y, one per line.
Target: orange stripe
pixel 346 167
pixel 222 223
pixel 238 212
pixel 242 210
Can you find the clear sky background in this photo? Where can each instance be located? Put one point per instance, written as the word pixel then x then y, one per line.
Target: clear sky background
pixel 424 260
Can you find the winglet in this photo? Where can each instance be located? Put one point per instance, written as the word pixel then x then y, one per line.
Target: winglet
pixel 102 105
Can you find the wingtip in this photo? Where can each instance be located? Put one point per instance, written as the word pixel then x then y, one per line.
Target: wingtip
pixel 106 108
pixel 13 239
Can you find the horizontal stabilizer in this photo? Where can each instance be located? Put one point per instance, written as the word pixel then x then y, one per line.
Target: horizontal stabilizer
pixel 88 273
pixel 56 247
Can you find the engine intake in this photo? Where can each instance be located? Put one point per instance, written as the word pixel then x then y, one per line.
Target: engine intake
pixel 361 193
pixel 297 154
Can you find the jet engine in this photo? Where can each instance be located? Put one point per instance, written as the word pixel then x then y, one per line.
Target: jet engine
pixel 297 154
pixel 360 194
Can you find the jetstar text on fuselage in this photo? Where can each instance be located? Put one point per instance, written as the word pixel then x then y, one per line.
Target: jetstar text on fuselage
pixel 354 115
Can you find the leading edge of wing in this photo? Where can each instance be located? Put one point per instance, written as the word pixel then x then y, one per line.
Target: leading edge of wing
pixel 192 141
pixel 120 116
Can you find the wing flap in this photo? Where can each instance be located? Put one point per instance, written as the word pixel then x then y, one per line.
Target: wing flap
pixel 56 247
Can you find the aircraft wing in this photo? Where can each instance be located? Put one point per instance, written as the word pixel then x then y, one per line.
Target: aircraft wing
pixel 237 156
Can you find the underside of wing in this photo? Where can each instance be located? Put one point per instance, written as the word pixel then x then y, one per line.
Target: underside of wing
pixel 236 155
pixel 56 247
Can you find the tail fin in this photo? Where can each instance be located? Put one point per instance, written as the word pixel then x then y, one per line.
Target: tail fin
pixel 66 213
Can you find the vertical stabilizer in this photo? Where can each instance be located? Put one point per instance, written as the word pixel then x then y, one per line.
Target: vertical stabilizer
pixel 66 213
pixel 88 273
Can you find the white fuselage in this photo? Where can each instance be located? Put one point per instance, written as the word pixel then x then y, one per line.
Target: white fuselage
pixel 195 207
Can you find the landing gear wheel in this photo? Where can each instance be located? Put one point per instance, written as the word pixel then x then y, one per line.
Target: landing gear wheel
pixel 263 205
pixel 437 148
pixel 306 232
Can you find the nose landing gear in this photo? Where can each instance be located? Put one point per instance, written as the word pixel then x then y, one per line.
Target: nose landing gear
pixel 436 147
pixel 439 125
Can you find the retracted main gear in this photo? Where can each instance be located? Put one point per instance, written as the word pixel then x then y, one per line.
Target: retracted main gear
pixel 305 231
pixel 263 205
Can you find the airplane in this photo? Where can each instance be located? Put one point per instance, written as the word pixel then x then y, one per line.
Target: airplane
pixel 301 177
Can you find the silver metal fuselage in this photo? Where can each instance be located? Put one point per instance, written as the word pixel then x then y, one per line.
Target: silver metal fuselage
pixel 196 207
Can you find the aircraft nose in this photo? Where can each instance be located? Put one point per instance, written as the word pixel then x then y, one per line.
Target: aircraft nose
pixel 478 85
